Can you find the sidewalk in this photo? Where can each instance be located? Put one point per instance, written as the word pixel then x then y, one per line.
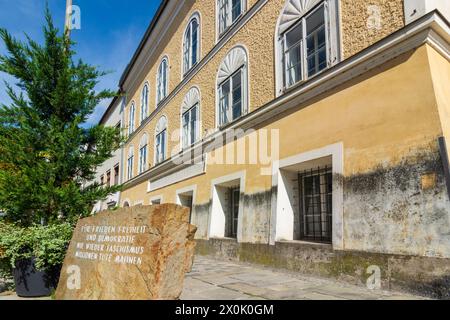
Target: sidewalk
pixel 217 280
pixel 220 280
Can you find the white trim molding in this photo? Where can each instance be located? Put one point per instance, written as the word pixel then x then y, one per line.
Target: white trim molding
pixel 282 215
pixel 190 189
pixel 217 218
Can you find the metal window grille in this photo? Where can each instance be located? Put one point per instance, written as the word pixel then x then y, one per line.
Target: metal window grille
pixel 315 207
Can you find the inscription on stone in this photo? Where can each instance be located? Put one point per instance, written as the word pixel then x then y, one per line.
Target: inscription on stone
pixel 134 253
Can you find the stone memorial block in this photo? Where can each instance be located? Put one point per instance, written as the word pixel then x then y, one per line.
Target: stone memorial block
pixel 136 253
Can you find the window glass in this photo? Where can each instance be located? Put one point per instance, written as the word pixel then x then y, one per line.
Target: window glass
pixel 237 9
pixel 224 102
pixel 293 55
pixel 316 43
pixel 237 95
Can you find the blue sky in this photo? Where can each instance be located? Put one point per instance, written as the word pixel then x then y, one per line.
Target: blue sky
pixel 110 33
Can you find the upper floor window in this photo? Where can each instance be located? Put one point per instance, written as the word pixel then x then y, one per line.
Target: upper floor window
pixel 144 103
pixel 143 154
pixel 131 116
pixel 232 86
pixel 162 80
pixel 161 140
pixel 130 162
pixel 228 12
pixel 191 45
pixel 307 40
pixel 190 113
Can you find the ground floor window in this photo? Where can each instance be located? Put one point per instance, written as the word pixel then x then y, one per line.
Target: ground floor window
pixel 231 223
pixel 315 194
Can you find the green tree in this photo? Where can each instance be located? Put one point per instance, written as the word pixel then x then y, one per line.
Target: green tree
pixel 47 157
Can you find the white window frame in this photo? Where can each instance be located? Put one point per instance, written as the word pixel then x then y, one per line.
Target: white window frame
pixel 144 102
pixel 161 151
pixel 143 154
pixel 185 140
pixel 229 15
pixel 130 163
pixel 235 61
pixel 230 98
pixel 293 13
pixel 162 88
pixel 187 63
pixel 282 213
pixel 131 118
pixel 217 216
pixel 303 47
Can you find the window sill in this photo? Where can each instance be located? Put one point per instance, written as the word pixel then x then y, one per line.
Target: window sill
pixel 306 243
pixel 224 239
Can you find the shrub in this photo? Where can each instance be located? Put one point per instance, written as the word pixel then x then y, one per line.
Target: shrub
pixel 47 244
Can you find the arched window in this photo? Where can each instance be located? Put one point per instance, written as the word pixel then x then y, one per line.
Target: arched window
pixel 131 116
pixel 228 12
pixel 191 44
pixel 130 163
pixel 144 103
pixel 162 80
pixel 306 40
pixel 126 204
pixel 232 86
pixel 143 153
pixel 161 140
pixel 190 114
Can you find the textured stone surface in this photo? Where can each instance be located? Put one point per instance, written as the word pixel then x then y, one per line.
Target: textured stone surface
pixel 135 253
pixel 360 27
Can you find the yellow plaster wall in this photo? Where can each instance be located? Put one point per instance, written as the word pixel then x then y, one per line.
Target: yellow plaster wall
pixel 381 117
pixel 440 71
pixel 258 37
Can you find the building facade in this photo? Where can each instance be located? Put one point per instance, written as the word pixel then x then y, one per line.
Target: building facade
pixel 304 134
pixel 109 173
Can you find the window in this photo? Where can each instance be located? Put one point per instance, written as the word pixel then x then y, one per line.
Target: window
pixel 233 213
pixel 162 80
pixel 232 87
pixel 131 116
pixel 305 45
pixel 229 12
pixel 190 118
pixel 161 140
pixel 116 174
pixel 315 194
pixel 144 103
pixel 130 164
pixel 108 178
pixel 191 45
pixel 307 40
pixel 230 98
pixel 143 154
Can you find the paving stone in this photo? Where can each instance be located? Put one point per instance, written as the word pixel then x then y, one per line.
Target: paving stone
pixel 246 288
